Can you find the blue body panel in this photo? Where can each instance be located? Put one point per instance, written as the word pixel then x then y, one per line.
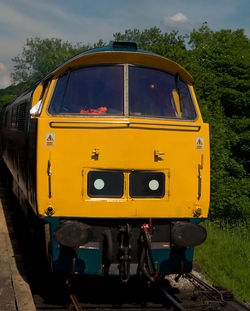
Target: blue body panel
pixel 89 258
pixel 171 262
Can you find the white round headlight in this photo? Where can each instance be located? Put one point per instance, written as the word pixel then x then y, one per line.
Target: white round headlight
pixel 99 184
pixel 153 184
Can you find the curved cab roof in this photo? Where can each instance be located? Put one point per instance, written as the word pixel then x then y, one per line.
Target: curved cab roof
pixel 122 52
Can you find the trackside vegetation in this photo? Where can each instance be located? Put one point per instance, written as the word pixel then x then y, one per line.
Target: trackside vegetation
pixel 225 258
pixel 219 61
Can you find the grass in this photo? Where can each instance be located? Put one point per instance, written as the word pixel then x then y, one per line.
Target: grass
pixel 225 258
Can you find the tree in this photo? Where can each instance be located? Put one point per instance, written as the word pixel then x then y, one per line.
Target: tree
pixel 40 56
pixel 220 64
pixel 226 55
pixel 8 94
pixel 170 45
pixel 5 99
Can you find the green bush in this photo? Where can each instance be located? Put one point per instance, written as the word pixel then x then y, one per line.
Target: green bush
pixel 225 257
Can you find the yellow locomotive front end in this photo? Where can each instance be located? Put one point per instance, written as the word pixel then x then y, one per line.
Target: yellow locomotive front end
pixel 122 161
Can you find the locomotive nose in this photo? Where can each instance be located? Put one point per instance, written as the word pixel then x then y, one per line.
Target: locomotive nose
pixel 73 234
pixel 187 234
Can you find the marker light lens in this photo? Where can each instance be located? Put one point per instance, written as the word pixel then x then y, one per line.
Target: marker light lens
pixel 153 184
pixel 99 184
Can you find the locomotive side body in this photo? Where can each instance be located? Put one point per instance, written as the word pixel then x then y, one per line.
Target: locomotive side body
pixel 118 164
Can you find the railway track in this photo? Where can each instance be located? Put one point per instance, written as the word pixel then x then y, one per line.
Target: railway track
pixel 200 296
pixel 83 294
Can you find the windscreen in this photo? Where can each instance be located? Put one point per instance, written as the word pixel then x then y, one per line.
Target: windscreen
pixel 89 91
pixel 155 93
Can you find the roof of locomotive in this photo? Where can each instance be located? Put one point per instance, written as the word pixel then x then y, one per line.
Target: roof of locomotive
pixel 121 52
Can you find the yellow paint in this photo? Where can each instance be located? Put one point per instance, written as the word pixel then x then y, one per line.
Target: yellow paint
pixel 121 149
pixel 37 94
pixel 125 147
pixel 177 102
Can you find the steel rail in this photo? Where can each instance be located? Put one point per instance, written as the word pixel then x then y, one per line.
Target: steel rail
pixel 172 300
pixel 75 303
pixel 220 293
pixel 192 276
pixel 242 304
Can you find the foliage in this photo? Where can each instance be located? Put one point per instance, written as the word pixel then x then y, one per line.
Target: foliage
pixel 220 62
pixel 39 57
pixel 5 99
pixel 170 45
pixel 8 94
pixel 225 257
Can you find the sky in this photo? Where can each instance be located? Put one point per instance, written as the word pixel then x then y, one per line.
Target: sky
pixel 87 21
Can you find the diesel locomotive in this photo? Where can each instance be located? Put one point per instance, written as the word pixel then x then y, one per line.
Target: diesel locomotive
pixel 109 155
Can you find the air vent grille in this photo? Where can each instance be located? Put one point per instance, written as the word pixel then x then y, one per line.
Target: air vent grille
pixel 21 116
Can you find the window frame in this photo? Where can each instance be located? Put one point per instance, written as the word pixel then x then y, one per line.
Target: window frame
pixel 79 115
pixel 163 117
pixel 126 108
